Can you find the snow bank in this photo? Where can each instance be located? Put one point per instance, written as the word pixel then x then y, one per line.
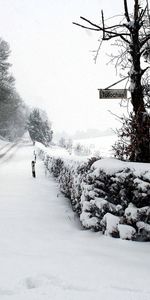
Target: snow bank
pixel 112 165
pixel 108 195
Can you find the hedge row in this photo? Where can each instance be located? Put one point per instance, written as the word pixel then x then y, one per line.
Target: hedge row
pixel 116 203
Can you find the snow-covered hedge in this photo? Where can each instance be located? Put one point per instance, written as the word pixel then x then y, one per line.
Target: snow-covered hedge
pixel 109 195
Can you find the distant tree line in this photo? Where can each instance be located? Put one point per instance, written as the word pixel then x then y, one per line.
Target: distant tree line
pixel 13 111
pixel 15 116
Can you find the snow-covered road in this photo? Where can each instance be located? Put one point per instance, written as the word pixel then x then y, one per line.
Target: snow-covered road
pixel 45 254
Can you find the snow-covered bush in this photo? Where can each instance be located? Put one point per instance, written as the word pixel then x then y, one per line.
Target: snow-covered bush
pixel 111 223
pixel 109 195
pixel 126 232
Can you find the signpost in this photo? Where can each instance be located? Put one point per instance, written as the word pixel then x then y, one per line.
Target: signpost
pixel 112 93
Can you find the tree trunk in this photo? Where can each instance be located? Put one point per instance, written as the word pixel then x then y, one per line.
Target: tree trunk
pixel 141 118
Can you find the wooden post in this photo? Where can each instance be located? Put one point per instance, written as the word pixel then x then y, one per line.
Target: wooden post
pixel 33 168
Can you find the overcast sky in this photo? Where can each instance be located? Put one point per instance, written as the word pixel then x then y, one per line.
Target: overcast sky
pixel 53 59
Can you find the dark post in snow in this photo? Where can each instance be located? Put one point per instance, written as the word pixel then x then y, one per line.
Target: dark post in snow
pixel 33 168
pixel 134 37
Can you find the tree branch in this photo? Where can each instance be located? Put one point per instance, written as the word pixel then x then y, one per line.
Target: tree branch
pixel 106 28
pixel 126 11
pixel 85 27
pixel 103 24
pixel 147 38
pixel 116 35
pixel 142 13
pixel 91 23
pixel 136 9
pixel 111 34
pixel 124 39
pixel 144 70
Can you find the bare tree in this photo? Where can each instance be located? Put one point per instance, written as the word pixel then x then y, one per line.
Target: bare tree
pixel 133 33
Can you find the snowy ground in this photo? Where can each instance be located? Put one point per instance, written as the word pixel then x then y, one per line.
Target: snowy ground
pixel 45 254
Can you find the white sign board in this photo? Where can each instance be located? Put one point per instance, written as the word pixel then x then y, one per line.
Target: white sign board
pixel 112 93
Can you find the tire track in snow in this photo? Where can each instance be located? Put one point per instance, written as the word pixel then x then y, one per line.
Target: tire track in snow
pixel 9 153
pixel 3 154
pixel 6 145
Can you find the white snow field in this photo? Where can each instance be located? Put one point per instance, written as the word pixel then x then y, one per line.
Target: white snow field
pixel 46 255
pixel 99 145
